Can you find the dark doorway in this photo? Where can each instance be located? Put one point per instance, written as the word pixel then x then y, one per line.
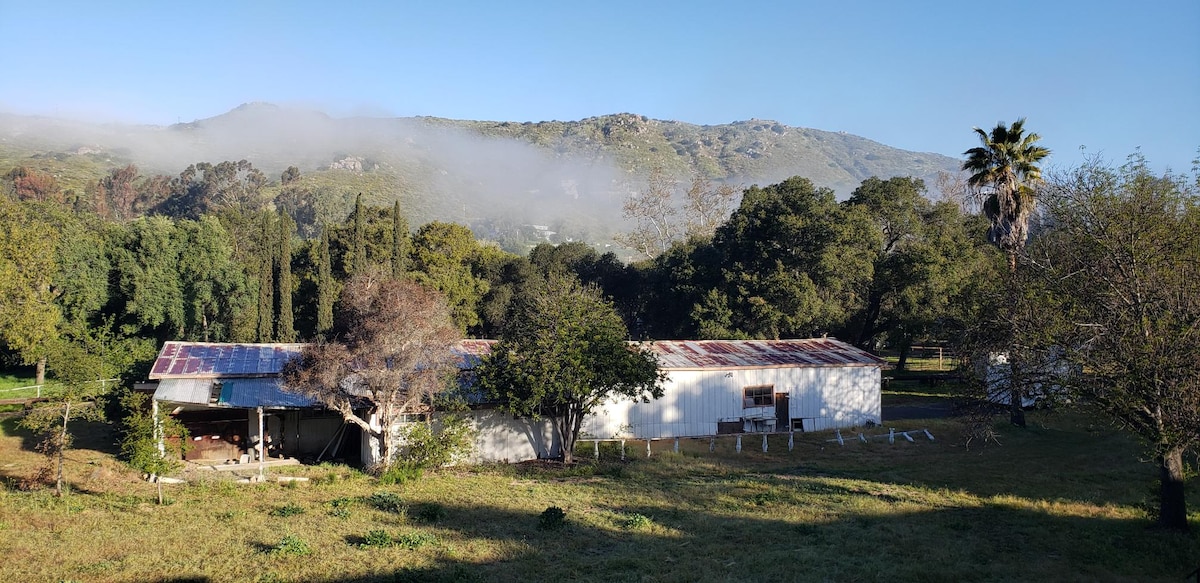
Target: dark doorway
pixel 782 419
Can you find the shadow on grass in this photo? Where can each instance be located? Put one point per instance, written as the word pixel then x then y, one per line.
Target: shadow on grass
pixel 767 541
pixel 93 435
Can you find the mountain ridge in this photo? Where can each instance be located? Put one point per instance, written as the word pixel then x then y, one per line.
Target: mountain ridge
pixel 467 170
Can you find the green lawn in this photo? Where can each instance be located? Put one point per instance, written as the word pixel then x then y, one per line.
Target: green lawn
pixel 1060 501
pixel 11 384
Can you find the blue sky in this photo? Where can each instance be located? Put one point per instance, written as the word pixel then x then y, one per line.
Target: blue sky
pixel 1111 76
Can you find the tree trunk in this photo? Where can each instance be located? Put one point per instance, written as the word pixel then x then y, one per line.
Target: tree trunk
pixel 902 362
pixel 1016 385
pixel 40 378
pixel 566 438
pixel 62 448
pixel 1172 505
pixel 385 449
pixel 1016 391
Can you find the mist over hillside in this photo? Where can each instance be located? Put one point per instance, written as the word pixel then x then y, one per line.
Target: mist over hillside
pixel 568 176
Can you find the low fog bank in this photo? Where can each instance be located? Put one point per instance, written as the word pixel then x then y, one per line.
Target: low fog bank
pixel 457 175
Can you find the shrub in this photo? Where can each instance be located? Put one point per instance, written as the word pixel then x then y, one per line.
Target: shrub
pixel 427 512
pixel 408 540
pixel 289 509
pixel 552 518
pixel 414 540
pixel 377 538
pixel 433 445
pixel 400 474
pixel 386 501
pixel 290 545
pixel 637 522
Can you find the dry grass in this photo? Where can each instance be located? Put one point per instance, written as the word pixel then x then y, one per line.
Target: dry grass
pixel 1059 501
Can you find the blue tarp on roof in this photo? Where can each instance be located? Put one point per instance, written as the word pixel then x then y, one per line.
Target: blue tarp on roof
pixel 260 392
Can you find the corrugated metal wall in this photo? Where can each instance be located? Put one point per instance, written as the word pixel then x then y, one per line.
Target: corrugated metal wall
pixel 694 401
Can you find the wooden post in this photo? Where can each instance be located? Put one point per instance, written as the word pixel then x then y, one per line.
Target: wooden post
pixel 712 443
pixel 676 445
pixel 647 448
pixel 622 450
pixel 158 429
pixel 764 443
pixel 596 447
pixel 738 446
pixel 262 449
pixel 791 440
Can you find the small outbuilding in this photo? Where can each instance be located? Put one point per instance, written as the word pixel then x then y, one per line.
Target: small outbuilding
pixel 750 386
pixel 231 400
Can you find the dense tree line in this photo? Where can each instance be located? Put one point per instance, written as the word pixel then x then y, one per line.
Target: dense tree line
pixel 221 253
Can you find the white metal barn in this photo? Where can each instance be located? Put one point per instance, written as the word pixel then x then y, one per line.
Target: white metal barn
pixel 728 386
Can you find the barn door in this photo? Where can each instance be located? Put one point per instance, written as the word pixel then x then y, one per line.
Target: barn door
pixel 783 420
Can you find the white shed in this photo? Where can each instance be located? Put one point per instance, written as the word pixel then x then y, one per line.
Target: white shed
pixel 735 386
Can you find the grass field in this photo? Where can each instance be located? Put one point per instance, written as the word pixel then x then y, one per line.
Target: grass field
pixel 1060 501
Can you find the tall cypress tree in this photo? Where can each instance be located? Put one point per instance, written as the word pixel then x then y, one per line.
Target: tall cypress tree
pixel 285 325
pixel 325 291
pixel 359 243
pixel 400 242
pixel 266 279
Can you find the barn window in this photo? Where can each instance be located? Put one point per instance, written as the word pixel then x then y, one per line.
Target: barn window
pixel 759 396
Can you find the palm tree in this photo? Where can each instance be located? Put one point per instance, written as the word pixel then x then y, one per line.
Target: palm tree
pixel 1004 171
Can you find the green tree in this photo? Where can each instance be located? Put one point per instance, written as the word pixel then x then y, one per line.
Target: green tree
pixel 326 294
pixel 266 279
pixel 214 286
pixel 358 241
pixel 286 323
pixel 79 371
pixel 401 242
pixel 149 291
pixel 29 314
pixel 392 349
pixel 1121 266
pixel 562 354
pixel 792 264
pixel 922 257
pixel 442 257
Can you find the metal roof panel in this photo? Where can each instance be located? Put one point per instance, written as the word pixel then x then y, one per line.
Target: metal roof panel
pixel 260 392
pixel 194 391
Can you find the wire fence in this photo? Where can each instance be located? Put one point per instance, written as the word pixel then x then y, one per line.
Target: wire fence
pixel 45 389
pixel 927 359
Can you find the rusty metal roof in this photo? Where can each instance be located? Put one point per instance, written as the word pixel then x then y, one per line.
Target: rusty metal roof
pixel 729 354
pixel 213 360
pixel 471 351
pixel 217 360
